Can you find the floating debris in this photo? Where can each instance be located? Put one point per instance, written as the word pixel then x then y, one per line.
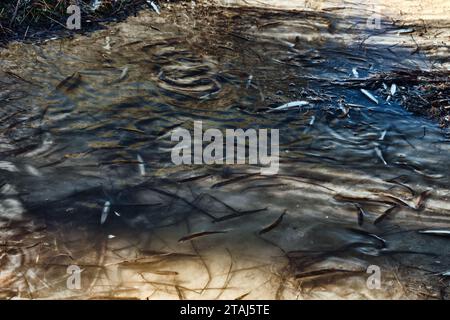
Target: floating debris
pixel 355 72
pixel 369 95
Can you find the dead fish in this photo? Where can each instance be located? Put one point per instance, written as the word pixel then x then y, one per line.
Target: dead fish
pixel 70 83
pixel 385 215
pixel 290 105
pixel 311 122
pixel 369 95
pixel 274 224
pixel 380 155
pixel 445 274
pixel 141 165
pixel 355 72
pixel 442 233
pixel 361 215
pixel 154 6
pixel 105 212
pixel 199 234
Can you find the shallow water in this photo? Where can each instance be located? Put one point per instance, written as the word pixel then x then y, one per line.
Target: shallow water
pixel 72 146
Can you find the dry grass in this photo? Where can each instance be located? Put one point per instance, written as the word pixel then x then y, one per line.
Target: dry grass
pixel 22 18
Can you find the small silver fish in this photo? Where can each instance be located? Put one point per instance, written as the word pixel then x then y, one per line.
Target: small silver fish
pixel 403 31
pixel 380 155
pixel 436 232
pixel 249 81
pixel 96 4
pixel 154 6
pixel 290 105
pixel 124 73
pixel 105 212
pixel 369 95
pixel 383 135
pixel 141 165
pixel 107 45
pixel 393 89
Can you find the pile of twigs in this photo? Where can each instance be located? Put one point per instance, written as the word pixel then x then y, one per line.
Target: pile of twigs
pixel 428 94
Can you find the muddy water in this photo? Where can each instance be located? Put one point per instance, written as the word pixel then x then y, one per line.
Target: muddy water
pixel 79 114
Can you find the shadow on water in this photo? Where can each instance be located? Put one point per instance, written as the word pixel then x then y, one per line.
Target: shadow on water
pixel 87 177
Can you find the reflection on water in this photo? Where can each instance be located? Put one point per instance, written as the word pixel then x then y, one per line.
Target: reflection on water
pixel 357 179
